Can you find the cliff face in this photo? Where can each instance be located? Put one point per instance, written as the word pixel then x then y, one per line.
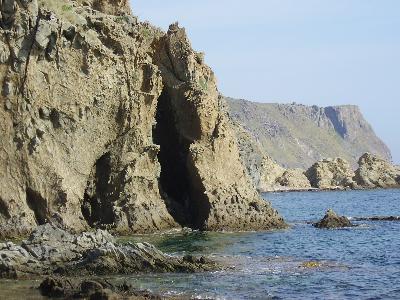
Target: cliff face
pixel 109 122
pixel 266 173
pixel 296 136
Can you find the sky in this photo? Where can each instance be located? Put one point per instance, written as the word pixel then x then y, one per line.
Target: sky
pixel 315 52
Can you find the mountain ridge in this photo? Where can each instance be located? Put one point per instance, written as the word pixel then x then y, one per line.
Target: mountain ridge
pixel 297 135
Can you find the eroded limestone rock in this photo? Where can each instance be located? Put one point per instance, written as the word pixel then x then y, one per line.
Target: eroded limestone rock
pixel 204 149
pixel 94 103
pixel 375 172
pixel 331 173
pixel 295 179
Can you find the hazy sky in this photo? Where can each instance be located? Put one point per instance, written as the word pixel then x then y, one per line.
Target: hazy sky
pixel 323 52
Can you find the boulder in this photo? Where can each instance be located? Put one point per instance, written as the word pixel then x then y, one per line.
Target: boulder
pixel 331 173
pixel 375 172
pixel 294 179
pixel 93 289
pixel 332 220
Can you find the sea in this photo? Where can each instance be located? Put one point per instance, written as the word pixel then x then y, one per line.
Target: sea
pixel 301 262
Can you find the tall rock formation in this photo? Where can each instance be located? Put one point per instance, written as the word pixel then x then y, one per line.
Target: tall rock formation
pixel 109 122
pixel 296 136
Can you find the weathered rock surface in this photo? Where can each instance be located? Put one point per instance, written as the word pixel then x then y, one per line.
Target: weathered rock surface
pixel 332 220
pixel 376 172
pixel 268 175
pixel 50 250
pixel 331 173
pixel 108 122
pixel 296 136
pixel 294 179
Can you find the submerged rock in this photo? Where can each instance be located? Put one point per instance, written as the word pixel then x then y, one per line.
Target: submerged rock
pixel 332 220
pixel 50 250
pixel 378 218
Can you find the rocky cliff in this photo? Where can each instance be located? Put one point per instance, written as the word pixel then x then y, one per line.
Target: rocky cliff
pixel 265 172
pixel 326 174
pixel 296 136
pixel 109 122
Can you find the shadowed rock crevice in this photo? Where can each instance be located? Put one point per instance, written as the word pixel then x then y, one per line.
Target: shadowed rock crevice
pixel 97 205
pixel 4 211
pixel 174 177
pixel 38 205
pixel 200 205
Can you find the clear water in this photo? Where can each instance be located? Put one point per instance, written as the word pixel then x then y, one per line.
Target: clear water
pixel 361 262
pixel 355 263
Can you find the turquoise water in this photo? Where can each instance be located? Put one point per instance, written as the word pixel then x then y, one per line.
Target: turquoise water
pixel 355 263
pixel 299 263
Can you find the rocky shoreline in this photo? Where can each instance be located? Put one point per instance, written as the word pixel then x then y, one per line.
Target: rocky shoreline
pixel 66 257
pixel 331 175
pixel 50 250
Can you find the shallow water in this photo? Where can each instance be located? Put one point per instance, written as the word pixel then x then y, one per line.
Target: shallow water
pixel 361 262
pixel 298 263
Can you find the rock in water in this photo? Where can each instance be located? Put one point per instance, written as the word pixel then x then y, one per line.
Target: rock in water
pixel 50 250
pixel 331 173
pixel 332 220
pixel 375 172
pixel 295 179
pixel 111 123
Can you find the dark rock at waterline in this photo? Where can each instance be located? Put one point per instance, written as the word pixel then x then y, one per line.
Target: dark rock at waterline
pixel 96 289
pixel 377 218
pixel 50 250
pixel 332 220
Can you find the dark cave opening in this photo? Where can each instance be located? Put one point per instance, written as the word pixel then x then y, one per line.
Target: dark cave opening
pixel 38 205
pixel 97 207
pixel 174 181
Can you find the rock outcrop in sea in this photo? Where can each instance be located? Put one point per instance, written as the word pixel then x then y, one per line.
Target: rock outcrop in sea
pixel 331 173
pixel 374 171
pixel 327 174
pixel 109 122
pixel 332 220
pixel 266 134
